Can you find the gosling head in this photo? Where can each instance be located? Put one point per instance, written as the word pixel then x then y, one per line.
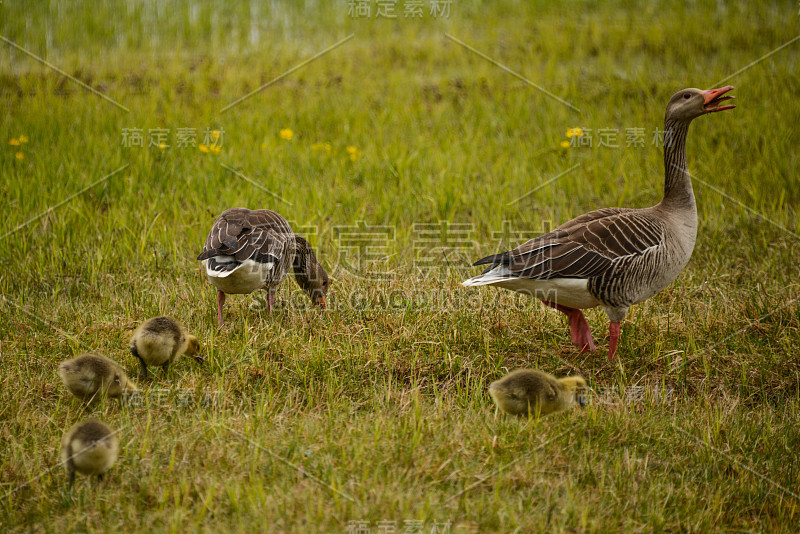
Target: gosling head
pixel 575 387
pixel 193 348
pixel 309 273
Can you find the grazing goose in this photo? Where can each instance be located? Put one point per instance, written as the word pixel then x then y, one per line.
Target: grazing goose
pixel 158 341
pixel 527 391
pixel 614 257
pixel 90 448
pixel 90 375
pixel 255 249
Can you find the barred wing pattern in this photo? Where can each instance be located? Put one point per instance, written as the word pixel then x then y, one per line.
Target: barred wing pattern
pixel 591 246
pixel 259 235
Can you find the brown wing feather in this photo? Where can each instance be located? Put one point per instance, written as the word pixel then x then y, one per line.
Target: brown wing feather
pixel 244 233
pixel 586 246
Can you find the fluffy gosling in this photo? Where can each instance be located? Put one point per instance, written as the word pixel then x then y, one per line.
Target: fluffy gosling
pixel 160 340
pixel 527 391
pixel 89 448
pixel 90 375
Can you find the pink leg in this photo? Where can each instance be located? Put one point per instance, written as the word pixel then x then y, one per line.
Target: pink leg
pixel 613 332
pixel 270 301
pixel 578 327
pixel 220 303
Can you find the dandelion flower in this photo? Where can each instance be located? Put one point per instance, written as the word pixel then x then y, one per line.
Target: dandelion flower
pixel 565 144
pixel 574 132
pixel 354 152
pixel 214 134
pixel 23 139
pixel 215 149
pixel 203 148
pixel 13 142
pixel 162 146
pixel 20 156
pixel 287 134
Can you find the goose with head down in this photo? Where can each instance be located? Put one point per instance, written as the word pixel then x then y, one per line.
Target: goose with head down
pixel 614 257
pixel 248 250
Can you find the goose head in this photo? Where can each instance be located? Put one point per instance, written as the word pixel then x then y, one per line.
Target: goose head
pixel 314 283
pixel 689 104
pixel 309 273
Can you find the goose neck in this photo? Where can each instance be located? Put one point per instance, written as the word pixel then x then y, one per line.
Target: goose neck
pixel 678 182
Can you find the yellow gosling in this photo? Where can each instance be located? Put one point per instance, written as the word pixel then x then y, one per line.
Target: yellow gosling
pixel 159 341
pixel 89 448
pixel 529 391
pixel 89 376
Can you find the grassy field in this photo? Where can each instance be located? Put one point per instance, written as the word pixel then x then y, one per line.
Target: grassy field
pixel 403 156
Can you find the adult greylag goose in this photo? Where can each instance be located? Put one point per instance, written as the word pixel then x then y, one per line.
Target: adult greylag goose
pixel 248 250
pixel 614 257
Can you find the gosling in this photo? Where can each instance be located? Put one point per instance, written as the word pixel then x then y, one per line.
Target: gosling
pixel 90 448
pixel 159 341
pixel 89 375
pixel 528 391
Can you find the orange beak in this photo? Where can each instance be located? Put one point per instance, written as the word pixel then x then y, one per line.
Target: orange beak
pixel 713 98
pixel 320 302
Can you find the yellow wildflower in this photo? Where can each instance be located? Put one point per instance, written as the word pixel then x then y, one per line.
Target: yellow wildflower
pixel 23 139
pixel 287 134
pixel 354 152
pixel 20 156
pixel 214 134
pixel 321 147
pixel 162 146
pixel 13 142
pixel 203 148
pixel 574 132
pixel 215 149
pixel 565 144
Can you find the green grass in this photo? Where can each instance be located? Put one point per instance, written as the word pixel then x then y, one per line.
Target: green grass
pixel 376 409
